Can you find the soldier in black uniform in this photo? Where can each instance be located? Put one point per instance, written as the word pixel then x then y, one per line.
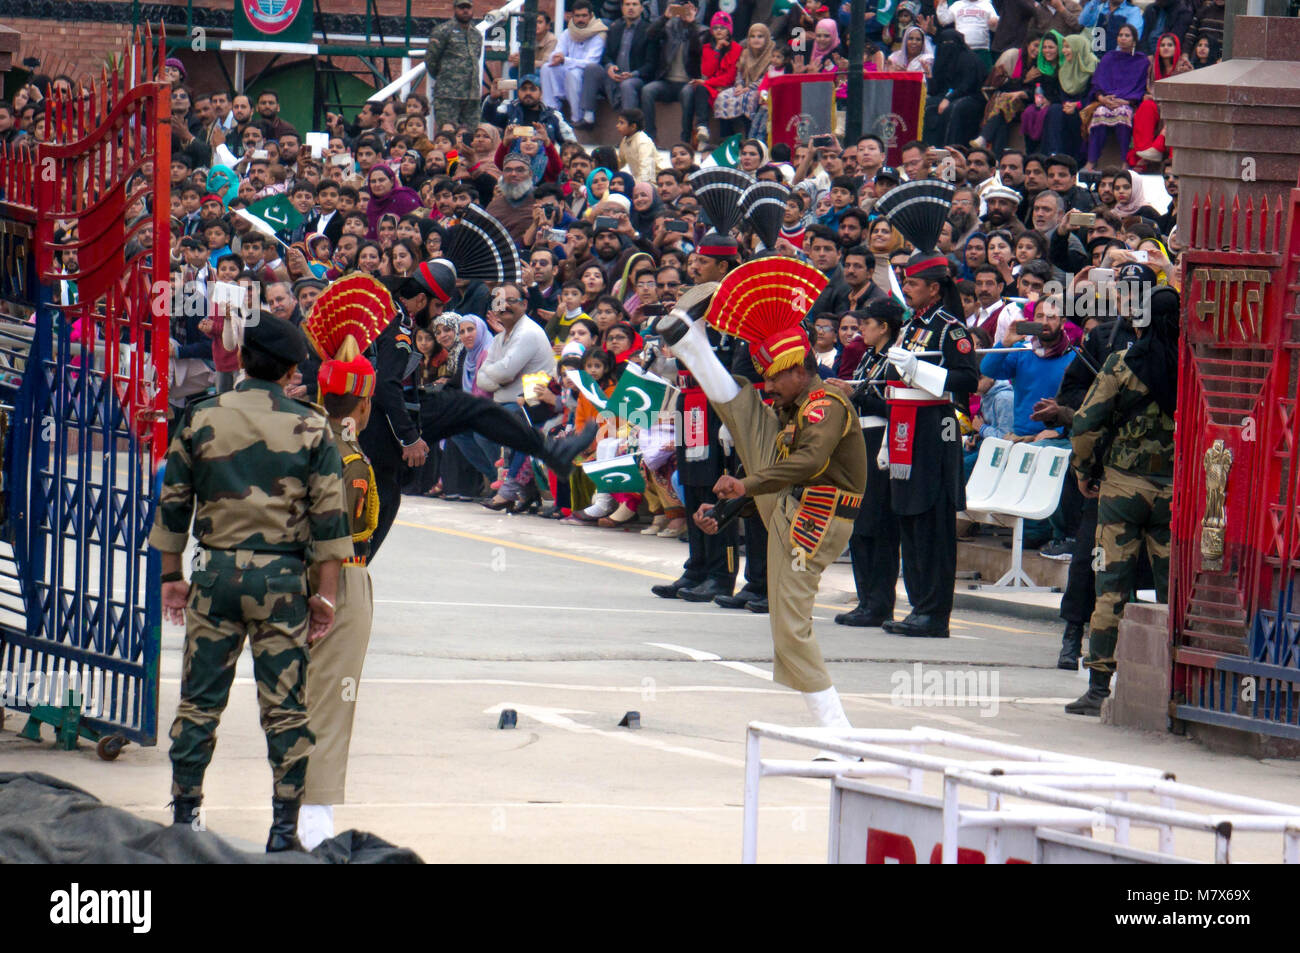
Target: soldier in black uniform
pixel 711 563
pixel 875 540
pixel 753 595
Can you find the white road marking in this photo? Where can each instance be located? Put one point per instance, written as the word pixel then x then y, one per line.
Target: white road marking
pixel 699 656
pixel 534 608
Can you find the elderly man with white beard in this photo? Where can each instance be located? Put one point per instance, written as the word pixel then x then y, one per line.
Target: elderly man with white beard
pixel 513 208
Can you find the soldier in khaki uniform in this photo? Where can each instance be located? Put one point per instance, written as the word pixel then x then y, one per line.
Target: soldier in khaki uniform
pixel 804 456
pixel 261 477
pixel 334 675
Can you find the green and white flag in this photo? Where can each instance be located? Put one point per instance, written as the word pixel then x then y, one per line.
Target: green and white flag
pixel 617 475
pixel 638 398
pixel 896 293
pixel 587 387
pixel 728 151
pixel 278 212
pixel 885 10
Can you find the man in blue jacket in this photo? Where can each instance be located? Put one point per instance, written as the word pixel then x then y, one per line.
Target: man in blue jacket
pixel 1110 15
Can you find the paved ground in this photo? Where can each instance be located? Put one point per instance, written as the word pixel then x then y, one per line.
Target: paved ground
pixel 477 610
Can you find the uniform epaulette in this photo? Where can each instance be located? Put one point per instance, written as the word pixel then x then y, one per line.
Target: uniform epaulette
pixel 302 401
pixel 951 319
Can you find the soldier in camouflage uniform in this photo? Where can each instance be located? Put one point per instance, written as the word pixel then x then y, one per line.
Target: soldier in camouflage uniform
pixel 452 60
pixel 261 477
pixel 1124 432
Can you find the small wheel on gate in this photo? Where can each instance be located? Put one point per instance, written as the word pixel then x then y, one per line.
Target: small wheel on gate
pixel 110 746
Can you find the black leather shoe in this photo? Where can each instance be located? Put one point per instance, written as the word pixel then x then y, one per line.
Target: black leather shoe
pixel 1071 648
pixel 891 625
pixel 921 627
pixel 184 809
pixel 284 827
pixel 1089 703
pixel 739 601
pixel 862 616
pixel 560 452
pixel 670 590
pixel 758 605
pixel 706 591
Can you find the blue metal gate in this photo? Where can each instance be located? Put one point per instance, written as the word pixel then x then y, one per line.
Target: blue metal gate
pixel 83 375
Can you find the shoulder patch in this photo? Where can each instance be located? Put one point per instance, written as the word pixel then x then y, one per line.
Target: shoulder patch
pixel 815 415
pixel 964 345
pixel 817 394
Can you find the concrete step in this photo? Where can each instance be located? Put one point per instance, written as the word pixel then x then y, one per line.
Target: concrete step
pixel 987 556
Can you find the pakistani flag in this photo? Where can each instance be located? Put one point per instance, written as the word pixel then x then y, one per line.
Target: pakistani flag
pixel 896 293
pixel 728 152
pixel 638 398
pixel 885 11
pixel 587 387
pixel 616 475
pixel 278 212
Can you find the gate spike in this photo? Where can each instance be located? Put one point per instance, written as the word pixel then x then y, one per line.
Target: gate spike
pixel 1218 231
pixel 1263 224
pixel 1191 238
pixel 1236 214
pixel 1248 238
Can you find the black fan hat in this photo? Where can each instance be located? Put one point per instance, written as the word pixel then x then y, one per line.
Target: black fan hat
pixel 762 208
pixel 918 210
pixel 479 247
pixel 718 190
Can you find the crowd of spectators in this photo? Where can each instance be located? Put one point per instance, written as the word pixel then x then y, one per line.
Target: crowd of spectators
pixel 609 233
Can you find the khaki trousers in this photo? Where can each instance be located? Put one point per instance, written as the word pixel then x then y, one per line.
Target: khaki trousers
pixel 792 580
pixel 333 680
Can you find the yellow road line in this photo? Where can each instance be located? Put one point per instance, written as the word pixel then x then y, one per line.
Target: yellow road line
pixel 538 550
pixel 622 567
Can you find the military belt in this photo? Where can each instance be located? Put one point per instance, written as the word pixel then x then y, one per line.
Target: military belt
pixel 868 422
pixel 847 504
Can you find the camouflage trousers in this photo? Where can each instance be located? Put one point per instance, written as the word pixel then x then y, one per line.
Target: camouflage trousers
pixel 461 112
pixel 233 596
pixel 1132 510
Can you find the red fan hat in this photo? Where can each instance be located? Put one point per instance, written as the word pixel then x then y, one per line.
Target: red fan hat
pixel 355 377
pixel 764 302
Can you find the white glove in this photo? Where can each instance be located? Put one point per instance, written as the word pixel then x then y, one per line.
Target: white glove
pixel 904 362
pixel 882 458
pixel 724 438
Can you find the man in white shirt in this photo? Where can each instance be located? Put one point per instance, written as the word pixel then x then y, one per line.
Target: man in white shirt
pixel 975 20
pixel 582 43
pixel 521 348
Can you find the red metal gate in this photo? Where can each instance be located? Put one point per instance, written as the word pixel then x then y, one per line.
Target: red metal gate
pixel 1233 615
pixel 86 383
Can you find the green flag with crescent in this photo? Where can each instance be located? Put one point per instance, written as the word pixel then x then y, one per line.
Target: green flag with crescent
pixel 586 386
pixel 617 475
pixel 639 396
pixel 278 212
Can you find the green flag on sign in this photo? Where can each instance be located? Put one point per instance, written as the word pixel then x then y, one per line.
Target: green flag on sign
pixel 638 398
pixel 586 386
pixel 728 151
pixel 618 475
pixel 278 212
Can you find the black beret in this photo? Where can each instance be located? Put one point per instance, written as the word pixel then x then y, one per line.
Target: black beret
pixel 277 337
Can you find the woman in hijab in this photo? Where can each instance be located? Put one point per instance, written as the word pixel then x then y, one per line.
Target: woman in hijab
pixel 1129 197
pixel 973 254
pixel 736 104
pixel 1014 76
pixel 621 183
pixel 483 145
pixel 597 187
pixel 956 97
pixel 1148 130
pixel 646 207
pixel 826 46
pixel 410 171
pixel 387 198
pixel 1118 85
pixel 1062 128
pixel 915 55
pixel 543 158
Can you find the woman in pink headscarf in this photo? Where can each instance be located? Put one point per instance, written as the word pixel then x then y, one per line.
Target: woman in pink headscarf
pixel 717 71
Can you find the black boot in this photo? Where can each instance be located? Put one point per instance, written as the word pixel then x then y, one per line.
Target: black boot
pixel 862 616
pixel 185 809
pixel 561 451
pixel 284 826
pixel 1071 647
pixel 1089 703
pixel 758 605
pixel 669 590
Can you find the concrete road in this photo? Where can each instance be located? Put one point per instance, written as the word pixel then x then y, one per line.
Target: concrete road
pixel 476 611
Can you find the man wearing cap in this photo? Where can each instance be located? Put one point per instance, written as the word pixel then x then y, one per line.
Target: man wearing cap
pixel 452 60
pixel 513 208
pixel 804 458
pixel 1123 441
pixel 346 387
pixel 527 108
pixel 923 449
pixel 261 479
pixel 1002 204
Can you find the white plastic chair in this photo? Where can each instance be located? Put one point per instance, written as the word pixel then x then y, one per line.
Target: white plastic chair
pixel 1029 488
pixel 990 463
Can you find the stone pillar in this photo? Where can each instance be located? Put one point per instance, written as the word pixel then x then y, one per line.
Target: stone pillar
pixel 1235 127
pixel 1142 687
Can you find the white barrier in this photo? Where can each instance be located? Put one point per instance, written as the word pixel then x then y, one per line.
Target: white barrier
pixel 1067 795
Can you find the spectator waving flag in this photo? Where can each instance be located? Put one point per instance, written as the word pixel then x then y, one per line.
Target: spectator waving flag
pixel 616 475
pixel 278 212
pixel 587 387
pixel 885 11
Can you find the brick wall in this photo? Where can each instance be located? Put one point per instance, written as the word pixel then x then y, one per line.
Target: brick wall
pixel 77 48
